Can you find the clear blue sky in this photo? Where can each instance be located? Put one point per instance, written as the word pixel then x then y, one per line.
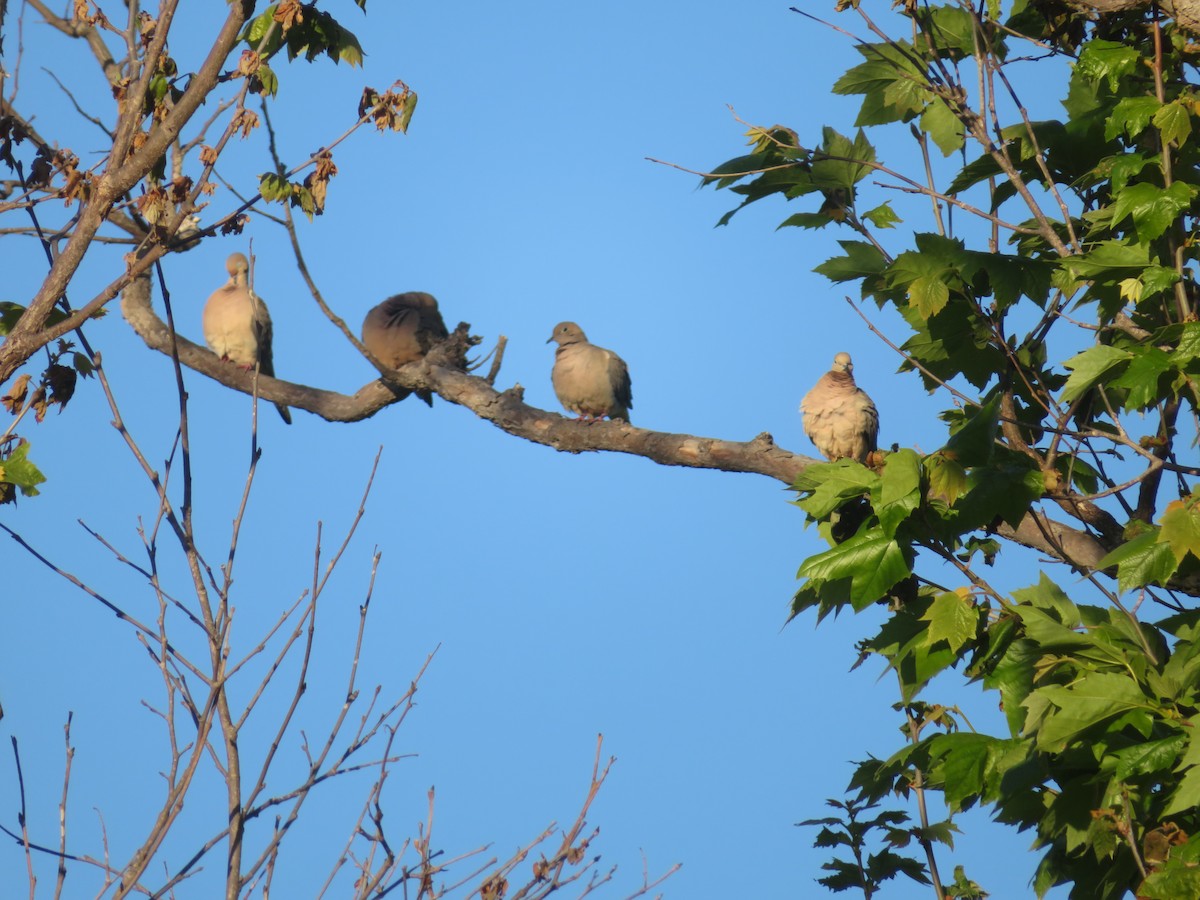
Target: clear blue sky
pixel 566 595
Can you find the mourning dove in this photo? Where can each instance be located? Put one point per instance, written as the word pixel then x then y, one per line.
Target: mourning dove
pixel 590 381
pixel 237 326
pixel 839 418
pixel 401 330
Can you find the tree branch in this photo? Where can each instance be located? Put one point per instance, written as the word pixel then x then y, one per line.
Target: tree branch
pixel 1076 547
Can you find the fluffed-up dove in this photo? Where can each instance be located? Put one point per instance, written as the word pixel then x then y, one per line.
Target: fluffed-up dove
pixel 402 329
pixel 590 381
pixel 839 417
pixel 237 325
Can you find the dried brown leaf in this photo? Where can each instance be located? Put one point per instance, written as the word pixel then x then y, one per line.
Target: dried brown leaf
pixel 14 400
pixel 289 13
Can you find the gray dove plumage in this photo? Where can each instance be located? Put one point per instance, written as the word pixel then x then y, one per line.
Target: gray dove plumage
pixel 839 417
pixel 402 329
pixel 237 325
pixel 589 381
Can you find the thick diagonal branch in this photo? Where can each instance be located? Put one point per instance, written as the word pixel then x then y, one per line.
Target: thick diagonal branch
pixel 1076 547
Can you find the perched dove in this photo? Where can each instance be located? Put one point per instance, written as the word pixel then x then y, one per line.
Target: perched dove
pixel 237 325
pixel 590 381
pixel 401 330
pixel 838 415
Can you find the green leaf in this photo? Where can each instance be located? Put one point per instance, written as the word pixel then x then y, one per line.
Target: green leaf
pixel 1143 375
pixel 973 173
pixel 1100 262
pixel 952 618
pixel 1157 279
pixel 1191 756
pixel 846 876
pixel 806 220
pixel 1141 562
pixel 951 31
pixel 1003 490
pixel 943 126
pixel 348 49
pixel 16 469
pixel 973 442
pixel 901 641
pixel 1053 636
pixel 872 562
pixel 1048 596
pixel 1130 117
pixel 897 492
pixel 837 165
pixel 947 478
pixel 1094 699
pixel 906 97
pixel 942 832
pixel 1013 677
pixel 268 81
pixel 929 295
pixel 963 888
pixel 1154 209
pixel 1010 278
pixel 1090 367
pixel 1175 123
pixel 887 864
pixel 1171 882
pixel 826 596
pixel 955 342
pixel 1181 528
pixel 1186 795
pixel 1107 60
pixel 406 114
pixel 1188 348
pixel 882 216
pixel 1119 169
pixel 993 643
pixel 259 26
pixel 831 484
pixel 274 188
pixel 1150 757
pixel 303 198
pixel 861 260
pixel 885 66
pixel 962 761
pixel 739 167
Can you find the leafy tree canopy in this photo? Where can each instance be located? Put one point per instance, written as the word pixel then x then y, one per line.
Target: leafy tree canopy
pixel 1051 298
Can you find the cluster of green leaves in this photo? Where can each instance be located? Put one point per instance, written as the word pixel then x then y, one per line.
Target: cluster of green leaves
pixel 302 30
pixel 278 189
pixel 866 871
pixel 1100 214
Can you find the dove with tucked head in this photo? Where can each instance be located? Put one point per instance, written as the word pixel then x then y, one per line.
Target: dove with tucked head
pixel 402 329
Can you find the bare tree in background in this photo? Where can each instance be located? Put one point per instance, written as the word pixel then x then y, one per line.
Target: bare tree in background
pixel 145 198
pixel 191 639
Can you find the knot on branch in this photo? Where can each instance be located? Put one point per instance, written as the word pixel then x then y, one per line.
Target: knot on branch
pixel 451 353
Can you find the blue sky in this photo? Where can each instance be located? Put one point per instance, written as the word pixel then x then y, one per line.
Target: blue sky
pixel 565 596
